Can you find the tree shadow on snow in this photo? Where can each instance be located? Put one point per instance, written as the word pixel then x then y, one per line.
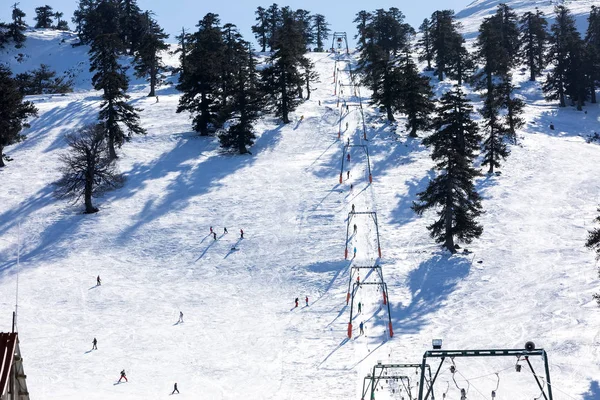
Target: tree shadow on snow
pixel 197 170
pixel 430 285
pixel 79 111
pixel 594 392
pixel 403 213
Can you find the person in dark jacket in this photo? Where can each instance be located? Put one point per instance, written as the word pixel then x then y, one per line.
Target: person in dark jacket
pixel 94 343
pixel 175 389
pixel 123 376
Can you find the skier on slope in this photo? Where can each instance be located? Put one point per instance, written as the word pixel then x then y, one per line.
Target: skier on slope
pixel 175 389
pixel 98 281
pixel 354 251
pixel 306 299
pixel 211 230
pixel 180 317
pixel 348 157
pixel 123 376
pixel 215 235
pixel 355 228
pixel 224 231
pixel 296 301
pixel 94 344
pixel 362 328
pixel 348 175
pixel 241 233
pixel 352 207
pixel 359 307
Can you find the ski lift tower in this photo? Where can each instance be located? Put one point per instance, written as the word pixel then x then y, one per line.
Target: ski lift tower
pixel 339 38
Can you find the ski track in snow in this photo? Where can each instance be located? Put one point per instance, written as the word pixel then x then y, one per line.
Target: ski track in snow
pixel 242 336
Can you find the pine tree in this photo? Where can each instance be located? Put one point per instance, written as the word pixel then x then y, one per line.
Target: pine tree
pixel 61 24
pixel 261 28
pixel 452 192
pixel 131 21
pixel 424 44
pixel 246 102
pixel 148 62
pixel 564 35
pixel 592 42
pixel 14 112
pixel 201 83
pixel 509 31
pixel 514 107
pixel 283 77
pixel 578 73
pixel 87 170
pixel 310 76
pixel 183 39
pixel 415 97
pixel 232 41
pixel 304 18
pixel 384 34
pixel 445 42
pixel 321 31
pixel 362 20
pixel 110 77
pixel 534 39
pixel 494 147
pixel 274 21
pixel 17 26
pixel 43 17
pixel 460 63
pixel 593 243
pixel 80 19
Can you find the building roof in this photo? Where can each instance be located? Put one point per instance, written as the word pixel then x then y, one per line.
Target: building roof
pixel 8 343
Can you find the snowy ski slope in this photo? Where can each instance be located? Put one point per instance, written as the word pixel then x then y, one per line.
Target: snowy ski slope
pixel 528 278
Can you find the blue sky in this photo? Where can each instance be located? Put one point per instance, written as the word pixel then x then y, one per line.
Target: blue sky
pixel 175 14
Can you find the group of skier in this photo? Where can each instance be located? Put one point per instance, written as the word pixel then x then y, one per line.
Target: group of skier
pixel 225 231
pixel 296 301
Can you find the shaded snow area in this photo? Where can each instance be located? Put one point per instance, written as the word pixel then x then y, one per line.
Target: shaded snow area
pixel 528 277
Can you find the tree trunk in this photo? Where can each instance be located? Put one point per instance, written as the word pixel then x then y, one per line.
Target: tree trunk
pixel 112 154
pixel 561 97
pixel 2 157
pixel 390 114
pixel 449 238
pixel 413 133
pixel 593 92
pixel 284 100
pixel 89 207
pixel 152 80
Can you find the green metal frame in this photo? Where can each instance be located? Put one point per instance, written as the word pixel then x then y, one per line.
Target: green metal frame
pixel 443 354
pixel 374 379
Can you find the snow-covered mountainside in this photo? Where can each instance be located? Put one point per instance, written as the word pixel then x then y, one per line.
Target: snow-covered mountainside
pixel 528 277
pixel 472 15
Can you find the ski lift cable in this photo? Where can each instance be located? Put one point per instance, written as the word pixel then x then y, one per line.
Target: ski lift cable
pixel 552 385
pixel 469 385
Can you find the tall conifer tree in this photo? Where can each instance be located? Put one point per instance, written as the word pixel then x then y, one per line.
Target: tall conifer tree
pixel 261 29
pixel 452 193
pixel 534 39
pixel 283 77
pixel 14 112
pixel 563 39
pixel 201 84
pixel 148 62
pixel 110 77
pixel 415 97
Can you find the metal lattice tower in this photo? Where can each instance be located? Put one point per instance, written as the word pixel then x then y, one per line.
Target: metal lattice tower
pixel 338 39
